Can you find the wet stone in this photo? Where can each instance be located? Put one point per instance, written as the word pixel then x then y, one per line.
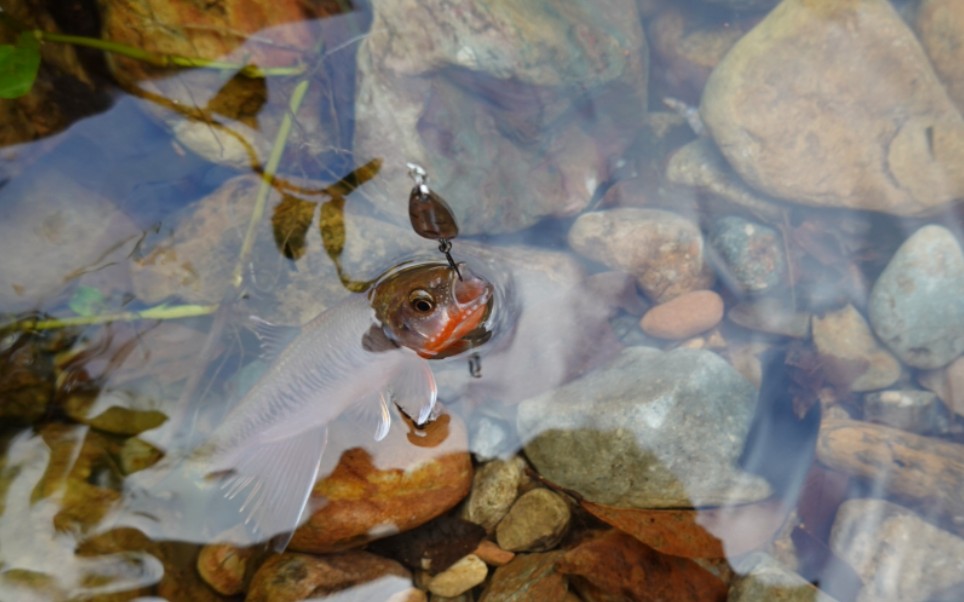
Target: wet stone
pixel 663 250
pixel 486 103
pixel 293 577
pixel 915 304
pixel 940 26
pixel 494 488
pixel 459 578
pixel 947 384
pixel 835 104
pixel 685 316
pixel 850 354
pixel 899 556
pixel 700 165
pixel 752 254
pixel 765 580
pixel 528 578
pixel 649 429
pixel 535 523
pixel 914 411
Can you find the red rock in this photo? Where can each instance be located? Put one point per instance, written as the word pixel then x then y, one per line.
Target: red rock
pixel 684 316
pixel 409 481
pixel 492 554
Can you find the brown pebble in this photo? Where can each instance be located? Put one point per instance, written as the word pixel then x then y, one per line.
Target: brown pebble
pixel 685 316
pixel 492 554
pixel 223 567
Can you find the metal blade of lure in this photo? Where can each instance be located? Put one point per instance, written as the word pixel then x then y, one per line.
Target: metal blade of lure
pixel 430 215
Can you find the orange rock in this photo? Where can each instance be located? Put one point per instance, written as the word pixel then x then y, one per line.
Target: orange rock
pixel 405 481
pixel 492 554
pixel 684 316
pixel 223 567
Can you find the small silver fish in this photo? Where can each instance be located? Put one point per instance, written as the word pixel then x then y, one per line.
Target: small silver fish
pixel 251 478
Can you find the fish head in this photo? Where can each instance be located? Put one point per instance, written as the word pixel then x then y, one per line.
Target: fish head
pixel 430 309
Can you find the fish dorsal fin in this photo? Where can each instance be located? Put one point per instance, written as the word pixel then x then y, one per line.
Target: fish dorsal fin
pixel 414 390
pixel 272 337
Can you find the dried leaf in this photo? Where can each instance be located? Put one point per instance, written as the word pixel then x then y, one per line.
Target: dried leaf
pixel 289 224
pixel 617 563
pixel 693 533
pixel 331 222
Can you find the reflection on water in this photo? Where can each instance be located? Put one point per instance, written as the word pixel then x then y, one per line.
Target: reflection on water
pixel 718 244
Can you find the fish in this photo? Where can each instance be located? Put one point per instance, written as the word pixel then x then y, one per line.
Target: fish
pixel 250 479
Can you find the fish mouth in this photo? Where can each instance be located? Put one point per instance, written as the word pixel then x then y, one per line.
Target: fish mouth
pixel 473 296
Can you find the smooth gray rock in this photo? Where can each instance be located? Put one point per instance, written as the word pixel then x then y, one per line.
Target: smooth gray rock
pixel 649 429
pixel 766 580
pixel 899 556
pixel 915 306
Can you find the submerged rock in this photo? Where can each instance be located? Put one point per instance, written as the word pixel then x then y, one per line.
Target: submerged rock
pixel 834 104
pixel 647 430
pixel 510 107
pixel 899 556
pixel 940 24
pixel 751 253
pixel 915 306
pixel 663 250
pixel 851 355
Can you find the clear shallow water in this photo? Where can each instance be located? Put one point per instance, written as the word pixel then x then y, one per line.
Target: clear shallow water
pixel 115 214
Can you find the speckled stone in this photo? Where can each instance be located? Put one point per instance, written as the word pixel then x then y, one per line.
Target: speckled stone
pixel 528 578
pixel 663 250
pixel 535 523
pixel 494 489
pixel 292 577
pixel 915 306
pixel 751 253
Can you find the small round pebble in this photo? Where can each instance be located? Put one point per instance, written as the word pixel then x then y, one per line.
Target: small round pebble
pixel 536 522
pixel 685 316
pixel 459 578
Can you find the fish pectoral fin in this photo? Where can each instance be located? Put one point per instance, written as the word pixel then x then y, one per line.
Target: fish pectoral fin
pixel 272 482
pixel 414 390
pixel 372 408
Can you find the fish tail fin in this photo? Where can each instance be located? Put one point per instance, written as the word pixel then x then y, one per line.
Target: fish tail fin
pixel 262 496
pixel 273 481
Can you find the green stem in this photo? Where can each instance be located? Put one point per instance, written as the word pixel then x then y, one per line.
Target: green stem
pixel 161 312
pixel 166 60
pixel 267 177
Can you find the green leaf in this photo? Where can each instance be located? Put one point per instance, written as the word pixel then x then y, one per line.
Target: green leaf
pixel 18 66
pixel 86 301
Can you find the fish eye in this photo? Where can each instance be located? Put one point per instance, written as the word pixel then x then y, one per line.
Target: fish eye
pixel 421 301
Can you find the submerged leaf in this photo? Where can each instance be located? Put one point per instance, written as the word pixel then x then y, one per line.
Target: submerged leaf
pixel 18 66
pixel 619 564
pixel 289 224
pixel 86 301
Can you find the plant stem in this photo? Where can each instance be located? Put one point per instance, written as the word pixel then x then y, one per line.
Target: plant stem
pixel 160 312
pixel 267 177
pixel 167 60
